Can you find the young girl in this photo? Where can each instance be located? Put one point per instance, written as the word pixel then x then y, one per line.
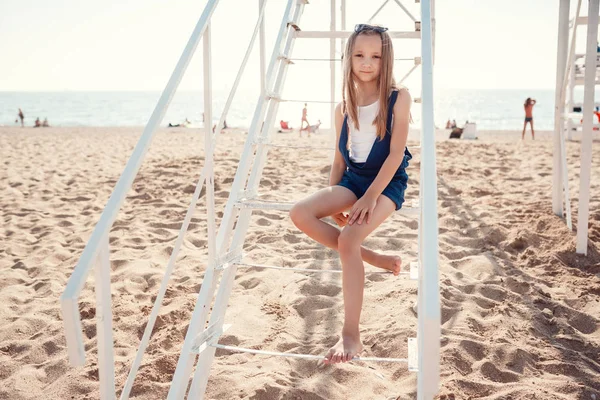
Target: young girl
pixel 368 175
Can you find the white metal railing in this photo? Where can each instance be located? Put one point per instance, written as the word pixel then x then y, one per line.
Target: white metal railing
pixel 205 172
pixel 77 280
pixel 97 249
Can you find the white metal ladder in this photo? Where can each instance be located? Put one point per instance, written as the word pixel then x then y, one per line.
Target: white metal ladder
pixel 225 254
pixel 243 200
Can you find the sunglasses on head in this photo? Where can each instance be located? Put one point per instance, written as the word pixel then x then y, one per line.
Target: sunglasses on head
pixel 366 27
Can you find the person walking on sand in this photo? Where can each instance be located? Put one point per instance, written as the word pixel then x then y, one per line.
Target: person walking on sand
pixel 22 118
pixel 304 119
pixel 529 103
pixel 368 175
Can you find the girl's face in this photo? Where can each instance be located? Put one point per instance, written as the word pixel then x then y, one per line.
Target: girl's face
pixel 366 57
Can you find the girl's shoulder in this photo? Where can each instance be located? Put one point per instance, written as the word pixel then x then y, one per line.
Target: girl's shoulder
pixel 402 91
pixel 404 96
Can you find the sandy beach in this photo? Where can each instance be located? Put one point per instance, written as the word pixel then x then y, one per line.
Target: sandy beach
pixel 520 310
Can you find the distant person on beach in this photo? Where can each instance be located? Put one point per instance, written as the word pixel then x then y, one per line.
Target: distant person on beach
pixel 368 175
pixel 45 123
pixel 22 118
pixel 314 128
pixel 529 103
pixel 304 119
pixel 453 124
pixel 184 124
pixel 37 123
pixel 284 127
pixel 224 126
pixel 448 124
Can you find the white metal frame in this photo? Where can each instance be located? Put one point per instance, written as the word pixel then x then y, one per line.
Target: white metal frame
pixel 429 325
pixel 224 245
pixel 97 245
pixel 586 139
pixel 566 79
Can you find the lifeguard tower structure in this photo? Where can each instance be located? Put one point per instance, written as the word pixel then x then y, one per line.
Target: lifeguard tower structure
pixel 570 73
pixel 225 244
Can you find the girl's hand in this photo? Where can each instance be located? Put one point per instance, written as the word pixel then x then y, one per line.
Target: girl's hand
pixel 341 219
pixel 362 210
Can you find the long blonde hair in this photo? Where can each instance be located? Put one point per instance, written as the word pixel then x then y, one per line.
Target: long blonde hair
pixel 385 80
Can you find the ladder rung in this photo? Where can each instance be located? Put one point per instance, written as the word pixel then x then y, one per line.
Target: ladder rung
pixel 304 356
pixel 262 143
pixel 413 273
pixel 258 204
pixel 295 26
pixel 263 205
pixel 346 34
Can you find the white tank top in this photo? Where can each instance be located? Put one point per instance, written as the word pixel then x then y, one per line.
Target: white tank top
pixel 361 140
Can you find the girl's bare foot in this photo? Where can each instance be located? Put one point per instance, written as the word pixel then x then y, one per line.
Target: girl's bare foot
pixel 391 263
pixel 344 350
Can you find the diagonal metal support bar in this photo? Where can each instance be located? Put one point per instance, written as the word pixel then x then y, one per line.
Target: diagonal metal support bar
pixel 408 73
pixel 378 10
pixel 405 10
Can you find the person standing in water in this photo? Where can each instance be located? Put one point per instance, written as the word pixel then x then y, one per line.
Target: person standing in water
pixel 529 103
pixel 21 117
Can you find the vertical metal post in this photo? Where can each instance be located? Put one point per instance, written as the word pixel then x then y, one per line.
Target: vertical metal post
pixel 332 65
pixel 569 82
pixel 263 74
pixel 587 130
pixel 186 359
pixel 343 27
pixel 429 330
pixel 433 29
pixel 208 148
pixel 571 101
pixel 561 60
pixel 104 329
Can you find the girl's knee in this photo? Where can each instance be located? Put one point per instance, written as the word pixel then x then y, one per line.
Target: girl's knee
pixel 347 242
pixel 298 214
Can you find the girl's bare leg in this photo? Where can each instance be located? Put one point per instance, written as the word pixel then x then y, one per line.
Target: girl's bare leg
pixel 349 243
pixel 532 131
pixel 524 127
pixel 307 214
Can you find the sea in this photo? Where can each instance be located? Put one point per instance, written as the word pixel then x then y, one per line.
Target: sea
pixel 490 109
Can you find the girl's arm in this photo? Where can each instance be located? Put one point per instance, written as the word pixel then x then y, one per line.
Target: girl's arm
pixel 339 165
pixel 397 145
pixel 365 205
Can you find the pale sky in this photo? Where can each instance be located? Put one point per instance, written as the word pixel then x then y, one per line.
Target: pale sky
pixel 134 44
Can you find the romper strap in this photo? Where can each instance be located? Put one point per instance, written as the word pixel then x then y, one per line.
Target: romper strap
pixel 391 103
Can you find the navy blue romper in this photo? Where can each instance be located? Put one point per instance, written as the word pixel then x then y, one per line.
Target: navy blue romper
pixel 359 176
